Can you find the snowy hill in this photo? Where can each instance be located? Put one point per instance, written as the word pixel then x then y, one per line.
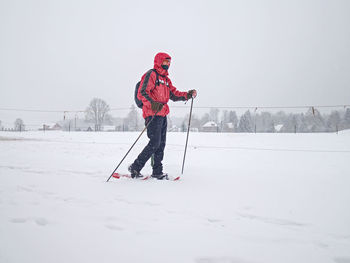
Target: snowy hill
pixel 243 198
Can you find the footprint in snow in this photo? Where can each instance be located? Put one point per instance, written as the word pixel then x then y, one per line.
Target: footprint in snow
pixel 321 245
pixel 24 188
pixel 274 221
pixel 114 227
pixel 214 220
pixel 39 220
pixel 18 220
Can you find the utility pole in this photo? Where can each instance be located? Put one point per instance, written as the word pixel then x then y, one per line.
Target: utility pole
pixel 75 122
pixel 136 121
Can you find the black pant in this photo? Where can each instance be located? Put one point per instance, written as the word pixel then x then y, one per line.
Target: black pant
pixel 156 132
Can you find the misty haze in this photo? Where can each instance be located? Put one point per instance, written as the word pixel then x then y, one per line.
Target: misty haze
pixel 175 131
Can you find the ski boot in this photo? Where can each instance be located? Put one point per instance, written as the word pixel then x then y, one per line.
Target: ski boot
pixel 162 176
pixel 134 173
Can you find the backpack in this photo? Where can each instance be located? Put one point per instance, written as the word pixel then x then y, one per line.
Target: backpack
pixel 137 101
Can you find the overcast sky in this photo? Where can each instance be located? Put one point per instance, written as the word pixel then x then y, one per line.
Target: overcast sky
pixel 60 54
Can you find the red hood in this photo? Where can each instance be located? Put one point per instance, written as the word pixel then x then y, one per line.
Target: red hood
pixel 158 60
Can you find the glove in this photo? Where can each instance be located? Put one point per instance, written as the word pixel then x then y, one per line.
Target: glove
pixel 191 93
pixel 156 106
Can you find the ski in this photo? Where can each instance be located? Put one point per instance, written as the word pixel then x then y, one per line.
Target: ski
pixel 119 175
pixel 174 178
pixel 145 177
pixel 169 177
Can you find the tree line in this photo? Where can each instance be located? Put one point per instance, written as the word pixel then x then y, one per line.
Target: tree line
pixel 98 115
pixel 251 121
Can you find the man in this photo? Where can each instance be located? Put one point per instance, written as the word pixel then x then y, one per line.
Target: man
pixel 155 91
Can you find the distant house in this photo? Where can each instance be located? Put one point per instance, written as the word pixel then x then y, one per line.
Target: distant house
pixel 278 127
pixel 84 126
pixel 44 128
pixel 228 127
pixel 51 127
pixel 108 128
pixel 56 127
pixel 210 126
pixel 174 128
pixel 77 125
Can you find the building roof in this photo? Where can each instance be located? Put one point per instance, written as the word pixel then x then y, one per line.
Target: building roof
pixel 52 124
pixel 210 124
pixel 278 127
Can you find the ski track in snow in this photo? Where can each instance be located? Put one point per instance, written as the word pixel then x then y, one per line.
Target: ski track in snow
pixel 238 201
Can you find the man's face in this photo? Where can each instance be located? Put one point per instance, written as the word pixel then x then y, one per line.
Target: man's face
pixel 166 62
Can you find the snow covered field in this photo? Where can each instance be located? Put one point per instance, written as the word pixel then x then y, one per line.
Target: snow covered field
pixel 243 198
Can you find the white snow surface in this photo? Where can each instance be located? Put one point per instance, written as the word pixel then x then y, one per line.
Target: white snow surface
pixel 242 198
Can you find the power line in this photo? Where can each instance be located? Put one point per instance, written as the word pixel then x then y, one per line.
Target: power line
pixel 197 107
pixel 56 111
pixel 265 107
pixel 30 110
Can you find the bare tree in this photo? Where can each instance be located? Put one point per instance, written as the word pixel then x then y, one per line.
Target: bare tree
pixel 133 122
pixel 333 121
pixel 315 121
pixel 246 123
pixel 97 112
pixel 264 122
pixel 19 125
pixel 214 114
pixel 345 121
pixel 205 118
pixel 195 122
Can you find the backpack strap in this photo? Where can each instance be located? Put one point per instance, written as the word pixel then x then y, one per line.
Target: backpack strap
pixel 157 80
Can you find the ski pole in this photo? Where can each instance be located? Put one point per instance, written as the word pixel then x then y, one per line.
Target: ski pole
pixel 132 145
pixel 188 131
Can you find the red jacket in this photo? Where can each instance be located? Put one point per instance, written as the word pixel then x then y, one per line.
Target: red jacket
pixel 162 92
